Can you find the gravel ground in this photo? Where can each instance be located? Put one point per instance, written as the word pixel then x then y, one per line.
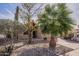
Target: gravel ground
pixel 40 49
pixel 37 48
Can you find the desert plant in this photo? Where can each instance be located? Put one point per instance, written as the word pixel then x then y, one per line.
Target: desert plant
pixel 28 12
pixel 16 22
pixel 56 21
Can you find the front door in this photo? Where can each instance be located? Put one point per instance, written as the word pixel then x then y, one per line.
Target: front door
pixel 34 34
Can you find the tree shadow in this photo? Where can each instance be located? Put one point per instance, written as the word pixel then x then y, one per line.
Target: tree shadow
pixel 25 42
pixel 36 41
pixel 7 41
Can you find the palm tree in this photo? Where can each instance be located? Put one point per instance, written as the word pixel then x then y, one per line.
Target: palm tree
pixel 65 19
pixel 56 21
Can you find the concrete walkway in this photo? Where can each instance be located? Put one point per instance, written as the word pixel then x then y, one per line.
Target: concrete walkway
pixel 70 44
pixel 2 36
pixel 73 53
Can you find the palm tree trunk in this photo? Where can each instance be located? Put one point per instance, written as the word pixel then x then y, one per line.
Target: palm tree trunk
pixel 52 43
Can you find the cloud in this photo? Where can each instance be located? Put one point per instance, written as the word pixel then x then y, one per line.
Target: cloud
pixel 74 7
pixel 11 13
pixel 2 16
pixel 8 15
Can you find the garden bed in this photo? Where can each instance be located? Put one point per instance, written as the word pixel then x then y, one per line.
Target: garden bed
pixel 41 50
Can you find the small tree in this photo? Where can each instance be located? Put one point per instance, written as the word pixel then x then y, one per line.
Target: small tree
pixel 16 22
pixel 55 20
pixel 28 11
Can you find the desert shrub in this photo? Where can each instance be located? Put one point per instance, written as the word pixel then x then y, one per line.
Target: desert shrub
pixel 6 51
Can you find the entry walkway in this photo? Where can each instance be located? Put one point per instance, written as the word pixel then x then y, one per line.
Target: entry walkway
pixel 72 45
pixel 67 43
pixel 73 53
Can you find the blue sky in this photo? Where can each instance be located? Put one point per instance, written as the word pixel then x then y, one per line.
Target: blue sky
pixel 7 11
pixel 4 7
